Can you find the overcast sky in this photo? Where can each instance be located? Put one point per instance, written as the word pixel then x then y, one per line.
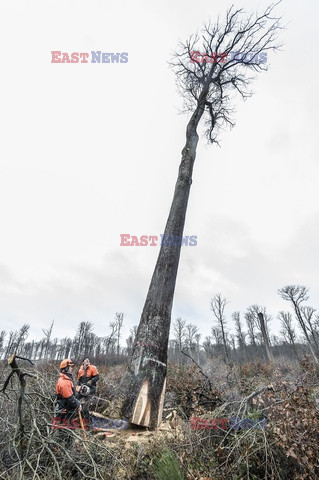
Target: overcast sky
pixel 90 151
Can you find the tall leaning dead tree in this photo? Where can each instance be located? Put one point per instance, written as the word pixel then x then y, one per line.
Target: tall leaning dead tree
pixel 210 69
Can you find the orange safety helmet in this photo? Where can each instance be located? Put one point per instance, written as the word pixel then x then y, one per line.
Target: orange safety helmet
pixel 66 363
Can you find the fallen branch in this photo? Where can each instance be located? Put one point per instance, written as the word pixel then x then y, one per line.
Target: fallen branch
pixel 21 376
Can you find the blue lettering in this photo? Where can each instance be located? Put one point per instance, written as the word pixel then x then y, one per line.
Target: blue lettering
pixel 185 241
pixel 115 57
pixel 233 56
pixel 263 57
pixel 234 423
pixel 124 58
pixel 96 57
pixel 105 57
pixel 193 240
pixel 262 424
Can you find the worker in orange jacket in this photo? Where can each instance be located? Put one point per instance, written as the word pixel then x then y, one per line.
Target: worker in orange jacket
pixel 88 375
pixel 65 391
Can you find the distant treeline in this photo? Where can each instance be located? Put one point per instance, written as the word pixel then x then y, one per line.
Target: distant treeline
pixel 249 341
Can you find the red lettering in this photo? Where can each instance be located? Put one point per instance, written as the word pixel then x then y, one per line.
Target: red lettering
pixel 213 423
pixel 194 56
pixel 56 422
pixel 223 422
pixel 206 58
pixel 204 423
pixel 223 57
pixel 134 241
pixel 65 58
pixel 143 241
pixel 84 57
pixel 75 423
pixel 86 423
pixel 65 423
pixel 55 57
pixel 214 57
pixel 195 423
pixel 124 238
pixel 152 240
pixel 75 57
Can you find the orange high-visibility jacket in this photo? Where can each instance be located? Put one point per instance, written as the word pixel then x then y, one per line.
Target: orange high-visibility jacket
pixel 65 392
pixel 88 377
pixel 90 372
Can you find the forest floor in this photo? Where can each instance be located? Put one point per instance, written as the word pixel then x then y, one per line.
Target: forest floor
pixel 275 434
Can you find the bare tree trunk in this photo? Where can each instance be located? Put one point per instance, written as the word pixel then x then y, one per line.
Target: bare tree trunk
pixel 48 334
pixel 218 305
pixel 265 337
pixel 297 294
pixel 314 356
pixel 144 383
pixel 288 331
pixel 179 327
pixel 119 322
pixel 202 88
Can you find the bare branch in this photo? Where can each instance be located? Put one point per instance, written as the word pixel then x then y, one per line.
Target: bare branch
pixel 210 68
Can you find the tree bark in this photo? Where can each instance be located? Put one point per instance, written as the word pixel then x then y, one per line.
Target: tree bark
pixel 144 383
pixel 265 337
pixel 304 329
pixel 12 361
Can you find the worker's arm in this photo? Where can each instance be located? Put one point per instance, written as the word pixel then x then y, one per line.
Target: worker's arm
pixel 94 376
pixel 93 380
